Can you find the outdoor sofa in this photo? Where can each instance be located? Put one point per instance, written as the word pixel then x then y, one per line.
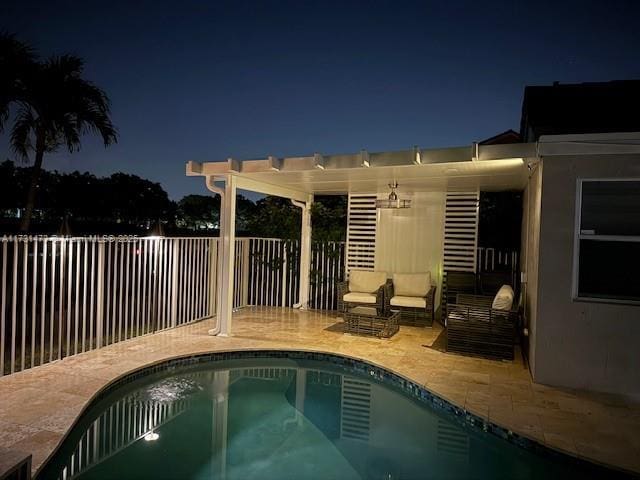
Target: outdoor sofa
pixel 481 325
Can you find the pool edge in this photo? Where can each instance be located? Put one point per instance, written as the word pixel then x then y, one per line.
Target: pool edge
pixel 386 374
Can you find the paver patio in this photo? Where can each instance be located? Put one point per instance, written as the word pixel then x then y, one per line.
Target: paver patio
pixel 39 406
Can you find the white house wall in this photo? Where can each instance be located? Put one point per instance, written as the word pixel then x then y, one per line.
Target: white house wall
pixel 410 240
pixel 580 344
pixel 529 249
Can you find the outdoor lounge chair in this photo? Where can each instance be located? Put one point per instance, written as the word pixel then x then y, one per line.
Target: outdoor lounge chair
pixel 364 288
pixel 413 295
pixel 483 325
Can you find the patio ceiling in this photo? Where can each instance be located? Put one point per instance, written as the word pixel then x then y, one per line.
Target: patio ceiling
pixel 490 167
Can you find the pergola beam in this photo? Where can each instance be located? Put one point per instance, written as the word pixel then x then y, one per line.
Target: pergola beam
pixel 245 183
pixel 411 157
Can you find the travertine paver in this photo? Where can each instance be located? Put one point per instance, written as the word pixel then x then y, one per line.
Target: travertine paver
pixel 38 406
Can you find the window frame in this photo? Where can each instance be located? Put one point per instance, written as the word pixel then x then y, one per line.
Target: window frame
pixel 578 236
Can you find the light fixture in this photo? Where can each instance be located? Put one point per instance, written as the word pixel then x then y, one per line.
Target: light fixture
pixel 318 161
pixel 417 158
pixel 393 201
pixel 157 230
pixel 274 163
pixel 151 436
pixel 364 159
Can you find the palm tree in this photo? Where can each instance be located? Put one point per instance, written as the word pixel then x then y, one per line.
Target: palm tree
pixel 16 59
pixel 57 108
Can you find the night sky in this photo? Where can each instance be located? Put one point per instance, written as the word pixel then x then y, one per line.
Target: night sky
pixel 208 80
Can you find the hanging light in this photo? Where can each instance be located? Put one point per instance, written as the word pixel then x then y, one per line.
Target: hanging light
pixel 393 201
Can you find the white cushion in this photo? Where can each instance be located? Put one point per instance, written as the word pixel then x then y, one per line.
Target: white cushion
pixel 365 281
pixel 504 298
pixel 416 302
pixel 359 297
pixel 411 284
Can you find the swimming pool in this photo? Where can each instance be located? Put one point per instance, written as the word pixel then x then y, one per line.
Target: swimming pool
pixel 290 415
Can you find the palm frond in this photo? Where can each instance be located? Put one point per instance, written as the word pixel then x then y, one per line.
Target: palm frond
pixel 62 107
pixel 16 58
pixel 23 132
pixel 15 50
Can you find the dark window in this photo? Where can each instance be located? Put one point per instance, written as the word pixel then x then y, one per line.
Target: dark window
pixel 609 240
pixel 611 208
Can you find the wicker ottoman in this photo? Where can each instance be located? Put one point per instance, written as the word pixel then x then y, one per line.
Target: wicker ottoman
pixel 366 321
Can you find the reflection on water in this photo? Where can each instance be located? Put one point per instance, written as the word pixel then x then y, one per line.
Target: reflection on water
pixel 280 419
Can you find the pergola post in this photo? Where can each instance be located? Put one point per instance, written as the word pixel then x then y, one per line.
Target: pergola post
pixel 220 413
pixel 227 251
pixel 305 252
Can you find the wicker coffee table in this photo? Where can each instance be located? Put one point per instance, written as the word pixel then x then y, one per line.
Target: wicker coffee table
pixel 366 321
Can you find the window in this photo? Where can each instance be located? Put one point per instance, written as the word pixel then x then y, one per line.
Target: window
pixel 607 257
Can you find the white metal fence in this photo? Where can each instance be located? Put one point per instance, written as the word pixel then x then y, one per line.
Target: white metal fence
pixel 273 272
pixel 60 296
pixel 63 296
pixel 492 259
pixel 327 269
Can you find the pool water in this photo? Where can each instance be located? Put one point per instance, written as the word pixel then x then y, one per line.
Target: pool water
pixel 285 419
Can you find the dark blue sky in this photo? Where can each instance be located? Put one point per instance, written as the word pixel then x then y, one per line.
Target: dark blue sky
pixel 208 80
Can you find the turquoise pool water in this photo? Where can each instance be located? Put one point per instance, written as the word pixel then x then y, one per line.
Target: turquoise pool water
pixel 268 418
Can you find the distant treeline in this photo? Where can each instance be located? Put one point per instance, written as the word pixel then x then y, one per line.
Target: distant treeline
pixel 124 203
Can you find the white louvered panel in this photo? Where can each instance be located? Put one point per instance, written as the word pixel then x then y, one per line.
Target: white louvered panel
pixel 461 231
pixel 356 409
pixel 361 232
pixel 452 440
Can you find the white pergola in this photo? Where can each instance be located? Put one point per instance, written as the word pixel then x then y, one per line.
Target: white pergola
pixel 477 167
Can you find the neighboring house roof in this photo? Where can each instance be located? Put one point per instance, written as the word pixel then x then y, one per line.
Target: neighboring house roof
pixel 508 136
pixel 599 107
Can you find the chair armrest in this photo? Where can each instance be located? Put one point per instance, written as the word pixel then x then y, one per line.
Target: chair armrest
pixel 477 301
pixel 388 291
pixel 342 288
pixel 380 295
pixel 387 295
pixel 431 294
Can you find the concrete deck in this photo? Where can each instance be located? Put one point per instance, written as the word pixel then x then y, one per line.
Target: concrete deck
pixel 39 406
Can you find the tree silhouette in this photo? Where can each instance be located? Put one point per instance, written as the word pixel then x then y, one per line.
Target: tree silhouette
pixel 17 59
pixel 55 108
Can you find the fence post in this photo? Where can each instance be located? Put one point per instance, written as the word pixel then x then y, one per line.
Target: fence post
pixel 283 300
pixel 100 295
pixel 213 277
pixel 174 283
pixel 245 273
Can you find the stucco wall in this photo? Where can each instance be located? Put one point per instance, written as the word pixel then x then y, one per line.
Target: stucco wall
pixel 585 345
pixel 529 259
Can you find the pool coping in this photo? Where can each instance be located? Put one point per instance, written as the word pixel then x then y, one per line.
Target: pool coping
pixel 378 372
